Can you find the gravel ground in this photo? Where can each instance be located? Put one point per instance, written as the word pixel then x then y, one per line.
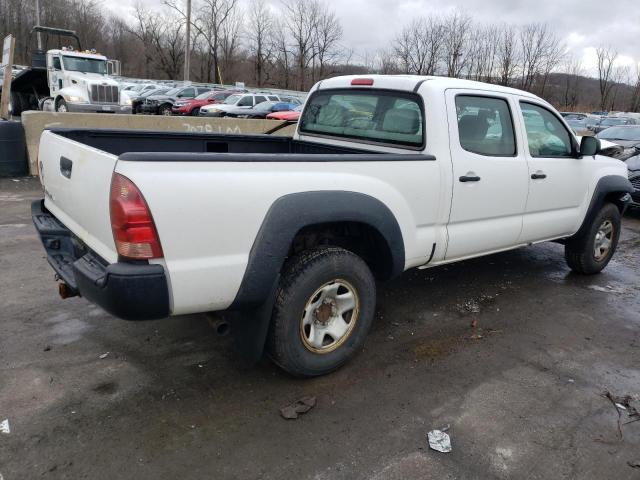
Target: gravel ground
pixel 91 396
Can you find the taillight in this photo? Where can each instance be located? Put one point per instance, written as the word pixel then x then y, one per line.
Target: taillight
pixel 131 222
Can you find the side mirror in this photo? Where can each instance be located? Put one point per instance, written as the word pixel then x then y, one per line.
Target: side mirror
pixel 589 146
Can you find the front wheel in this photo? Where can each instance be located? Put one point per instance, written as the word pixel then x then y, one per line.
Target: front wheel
pixel 324 308
pixel 165 110
pixel 592 251
pixel 195 112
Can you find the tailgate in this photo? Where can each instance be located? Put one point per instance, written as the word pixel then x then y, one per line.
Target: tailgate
pixel 76 180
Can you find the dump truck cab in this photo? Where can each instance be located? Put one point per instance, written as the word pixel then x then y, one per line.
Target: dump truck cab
pixel 66 79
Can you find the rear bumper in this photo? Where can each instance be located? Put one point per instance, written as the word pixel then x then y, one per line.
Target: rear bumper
pixel 131 291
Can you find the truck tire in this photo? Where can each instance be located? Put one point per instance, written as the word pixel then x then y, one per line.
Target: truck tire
pixel 591 252
pixel 61 106
pixel 165 110
pixel 16 106
pixel 324 308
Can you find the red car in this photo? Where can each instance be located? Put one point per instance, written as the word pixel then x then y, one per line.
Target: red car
pixel 192 106
pixel 289 115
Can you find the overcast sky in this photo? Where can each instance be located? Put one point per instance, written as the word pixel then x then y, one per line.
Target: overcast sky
pixel 583 24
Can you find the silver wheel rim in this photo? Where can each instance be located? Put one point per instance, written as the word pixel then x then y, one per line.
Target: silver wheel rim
pixel 62 108
pixel 603 240
pixel 166 112
pixel 329 316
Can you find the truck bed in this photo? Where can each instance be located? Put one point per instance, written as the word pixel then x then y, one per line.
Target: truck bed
pixel 118 142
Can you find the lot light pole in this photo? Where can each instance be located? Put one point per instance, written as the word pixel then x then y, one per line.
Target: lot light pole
pixel 38 35
pixel 187 53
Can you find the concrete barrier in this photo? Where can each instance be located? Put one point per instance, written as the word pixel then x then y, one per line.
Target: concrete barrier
pixel 35 122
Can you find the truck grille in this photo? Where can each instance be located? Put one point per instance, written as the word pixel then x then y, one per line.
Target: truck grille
pixel 635 182
pixel 104 94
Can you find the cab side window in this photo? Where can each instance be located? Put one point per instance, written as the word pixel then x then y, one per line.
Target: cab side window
pixel 56 63
pixel 485 126
pixel 546 135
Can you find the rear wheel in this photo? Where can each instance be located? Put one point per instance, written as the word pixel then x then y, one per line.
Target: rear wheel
pixel 324 309
pixel 591 252
pixel 61 106
pixel 16 104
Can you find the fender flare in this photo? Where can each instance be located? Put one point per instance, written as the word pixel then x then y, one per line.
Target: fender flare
pixel 609 185
pixel 292 212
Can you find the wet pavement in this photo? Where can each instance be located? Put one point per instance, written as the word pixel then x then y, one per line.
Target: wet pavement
pixel 91 396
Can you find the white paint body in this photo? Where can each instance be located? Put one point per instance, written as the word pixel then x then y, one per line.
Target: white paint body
pixel 208 213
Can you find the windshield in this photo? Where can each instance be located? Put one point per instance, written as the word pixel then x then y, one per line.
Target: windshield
pixel 619 133
pixel 89 65
pixel 169 93
pixel 365 115
pixel 232 99
pixel 160 91
pixel 203 96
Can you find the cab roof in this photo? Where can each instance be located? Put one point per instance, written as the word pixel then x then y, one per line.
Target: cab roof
pixel 73 53
pixel 411 83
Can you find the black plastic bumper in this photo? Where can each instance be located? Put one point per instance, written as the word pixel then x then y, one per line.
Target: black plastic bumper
pixel 132 291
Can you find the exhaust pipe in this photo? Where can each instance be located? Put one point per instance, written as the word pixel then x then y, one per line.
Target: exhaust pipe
pixel 219 325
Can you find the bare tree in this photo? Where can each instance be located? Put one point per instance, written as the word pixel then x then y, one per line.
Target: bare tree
pixel 606 60
pixel 532 39
pixel 634 98
pixel 573 73
pixel 419 46
pixel 209 24
pixel 507 54
pixel 260 37
pixel 456 34
pixel 328 33
pixel 284 56
pixel 302 17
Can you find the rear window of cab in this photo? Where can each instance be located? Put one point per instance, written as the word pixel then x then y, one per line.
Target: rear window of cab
pixel 368 116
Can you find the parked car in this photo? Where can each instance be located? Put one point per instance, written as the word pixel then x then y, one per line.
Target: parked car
pixel 613 122
pixel 291 115
pixel 138 100
pixel 236 101
pixel 192 106
pixel 292 234
pixel 627 137
pixel 162 104
pixel 581 125
pixel 633 169
pixel 261 110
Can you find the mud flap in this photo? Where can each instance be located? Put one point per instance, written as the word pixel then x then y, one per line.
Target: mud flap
pixel 250 327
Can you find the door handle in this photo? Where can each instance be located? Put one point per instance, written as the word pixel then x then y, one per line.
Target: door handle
pixel 66 166
pixel 538 175
pixel 469 178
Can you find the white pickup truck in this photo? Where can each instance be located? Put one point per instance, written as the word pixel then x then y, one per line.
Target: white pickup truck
pixel 384 174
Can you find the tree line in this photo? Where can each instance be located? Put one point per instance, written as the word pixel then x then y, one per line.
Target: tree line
pixel 292 44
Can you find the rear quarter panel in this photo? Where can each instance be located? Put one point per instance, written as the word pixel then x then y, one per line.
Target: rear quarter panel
pixel 209 213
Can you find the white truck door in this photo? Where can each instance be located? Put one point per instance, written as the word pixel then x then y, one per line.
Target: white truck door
pixel 490 176
pixel 558 182
pixel 54 73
